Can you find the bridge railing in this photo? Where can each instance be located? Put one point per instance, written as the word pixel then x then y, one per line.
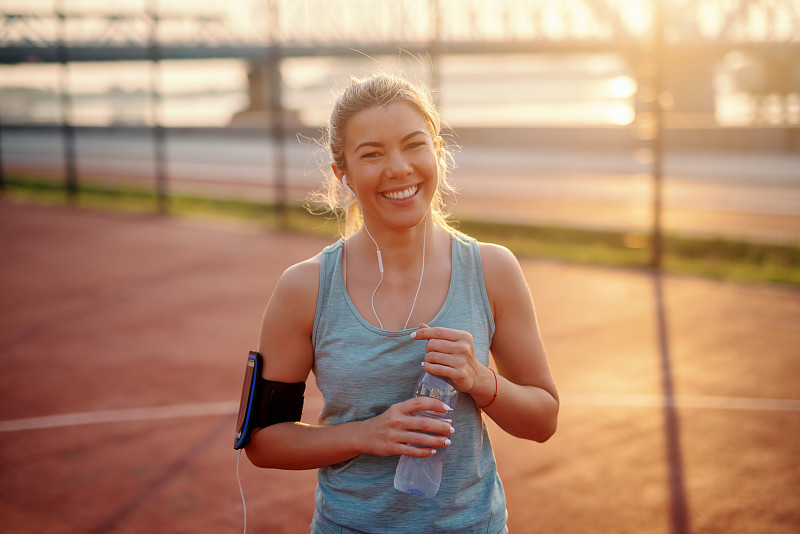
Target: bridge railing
pixel 336 23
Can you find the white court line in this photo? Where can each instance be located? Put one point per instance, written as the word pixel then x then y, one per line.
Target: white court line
pixel 177 411
pixel 174 411
pixel 680 401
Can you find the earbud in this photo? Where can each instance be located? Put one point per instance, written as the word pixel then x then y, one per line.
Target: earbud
pixel 347 186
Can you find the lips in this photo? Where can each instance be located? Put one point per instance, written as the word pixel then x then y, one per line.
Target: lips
pixel 402 194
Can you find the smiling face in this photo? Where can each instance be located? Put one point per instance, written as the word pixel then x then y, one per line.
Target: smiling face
pixel 391 163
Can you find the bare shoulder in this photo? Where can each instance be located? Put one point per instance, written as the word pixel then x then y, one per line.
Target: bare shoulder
pixel 295 296
pixel 498 263
pixel 505 283
pixel 294 300
pixel 301 280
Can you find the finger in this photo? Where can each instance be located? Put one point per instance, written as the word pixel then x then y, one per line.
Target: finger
pixel 431 425
pixel 436 332
pixel 443 346
pixel 438 367
pixel 422 445
pixel 427 441
pixel 441 365
pixel 416 452
pixel 444 371
pixel 422 404
pixel 448 358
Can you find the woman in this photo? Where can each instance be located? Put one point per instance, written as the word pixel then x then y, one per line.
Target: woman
pixel 345 314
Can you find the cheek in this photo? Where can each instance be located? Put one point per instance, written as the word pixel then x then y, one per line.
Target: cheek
pixel 427 161
pixel 435 167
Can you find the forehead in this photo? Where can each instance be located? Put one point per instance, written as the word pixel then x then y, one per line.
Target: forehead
pixel 384 123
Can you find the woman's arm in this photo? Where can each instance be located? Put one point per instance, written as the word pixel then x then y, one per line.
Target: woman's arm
pixel 527 400
pixel 526 403
pixel 286 346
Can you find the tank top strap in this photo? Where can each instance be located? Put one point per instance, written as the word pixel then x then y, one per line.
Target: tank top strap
pixel 329 268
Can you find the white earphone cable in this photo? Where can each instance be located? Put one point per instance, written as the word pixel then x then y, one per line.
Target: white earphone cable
pixel 422 271
pixel 380 268
pixel 244 505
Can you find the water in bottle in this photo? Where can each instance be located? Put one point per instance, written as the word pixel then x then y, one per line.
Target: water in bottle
pixel 422 476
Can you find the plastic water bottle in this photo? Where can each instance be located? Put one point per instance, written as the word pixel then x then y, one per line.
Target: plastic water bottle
pixel 422 476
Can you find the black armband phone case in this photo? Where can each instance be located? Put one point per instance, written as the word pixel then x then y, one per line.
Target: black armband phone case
pixel 265 402
pixel 250 402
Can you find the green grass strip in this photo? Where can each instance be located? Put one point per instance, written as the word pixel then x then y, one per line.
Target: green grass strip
pixel 722 259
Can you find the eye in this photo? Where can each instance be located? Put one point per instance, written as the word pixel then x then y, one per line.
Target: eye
pixel 416 144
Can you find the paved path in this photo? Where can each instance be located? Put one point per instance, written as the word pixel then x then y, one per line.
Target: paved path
pixel 742 195
pixel 122 341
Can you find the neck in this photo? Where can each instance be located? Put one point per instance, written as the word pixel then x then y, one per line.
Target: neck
pixel 399 248
pixel 396 253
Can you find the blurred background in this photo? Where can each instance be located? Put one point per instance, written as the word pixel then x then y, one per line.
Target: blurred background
pixel 625 115
pixel 639 133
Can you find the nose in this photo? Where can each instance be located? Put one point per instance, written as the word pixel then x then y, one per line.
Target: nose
pixel 397 164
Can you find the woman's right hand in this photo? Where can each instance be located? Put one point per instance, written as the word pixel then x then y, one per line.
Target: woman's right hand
pixel 397 430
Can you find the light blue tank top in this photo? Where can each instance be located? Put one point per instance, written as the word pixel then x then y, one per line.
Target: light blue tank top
pixel 361 371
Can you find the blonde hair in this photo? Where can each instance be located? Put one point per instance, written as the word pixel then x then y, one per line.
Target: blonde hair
pixel 378 90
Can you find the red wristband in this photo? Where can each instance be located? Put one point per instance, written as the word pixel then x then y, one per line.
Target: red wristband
pixel 495 391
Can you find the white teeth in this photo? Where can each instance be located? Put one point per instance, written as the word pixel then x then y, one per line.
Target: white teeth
pixel 401 195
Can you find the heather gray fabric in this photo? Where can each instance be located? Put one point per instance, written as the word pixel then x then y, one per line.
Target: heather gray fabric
pixel 361 371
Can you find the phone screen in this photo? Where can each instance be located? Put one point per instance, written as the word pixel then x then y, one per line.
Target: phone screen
pixel 247 386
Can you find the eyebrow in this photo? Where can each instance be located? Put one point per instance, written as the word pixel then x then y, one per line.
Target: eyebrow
pixel 379 144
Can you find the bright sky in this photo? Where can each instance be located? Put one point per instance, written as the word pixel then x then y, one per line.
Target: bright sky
pixel 337 17
pixel 342 16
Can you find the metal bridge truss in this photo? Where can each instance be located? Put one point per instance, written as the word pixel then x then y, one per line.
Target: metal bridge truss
pixel 335 27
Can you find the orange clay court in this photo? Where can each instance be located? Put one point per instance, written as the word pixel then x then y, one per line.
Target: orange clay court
pixel 123 341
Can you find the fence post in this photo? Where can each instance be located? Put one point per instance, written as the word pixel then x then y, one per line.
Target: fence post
pixel 275 56
pixel 159 135
pixel 657 257
pixel 67 130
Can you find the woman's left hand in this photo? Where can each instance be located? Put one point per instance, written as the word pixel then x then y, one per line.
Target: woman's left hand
pixel 451 353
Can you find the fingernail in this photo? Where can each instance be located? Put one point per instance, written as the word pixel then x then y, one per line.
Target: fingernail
pixel 422 364
pixel 433 451
pixel 446 408
pixel 413 334
pixel 452 430
pixel 447 442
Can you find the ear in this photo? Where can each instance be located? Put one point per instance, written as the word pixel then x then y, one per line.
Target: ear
pixel 339 173
pixel 341 176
